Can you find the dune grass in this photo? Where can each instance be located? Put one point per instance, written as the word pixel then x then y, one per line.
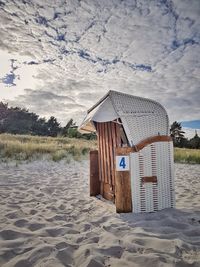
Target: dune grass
pixel 26 147
pixel 184 155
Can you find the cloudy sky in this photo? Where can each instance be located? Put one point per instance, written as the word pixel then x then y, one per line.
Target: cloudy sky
pixel 58 57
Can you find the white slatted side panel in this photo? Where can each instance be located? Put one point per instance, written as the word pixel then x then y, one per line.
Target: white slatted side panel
pixel 146 152
pixel 154 173
pixel 135 182
pixel 163 174
pixel 154 160
pixel 172 186
pixel 143 195
pixel 141 188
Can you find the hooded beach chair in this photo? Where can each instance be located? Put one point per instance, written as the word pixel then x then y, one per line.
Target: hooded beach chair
pixel 133 166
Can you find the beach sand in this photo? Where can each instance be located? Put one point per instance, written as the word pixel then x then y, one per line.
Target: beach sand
pixel 47 219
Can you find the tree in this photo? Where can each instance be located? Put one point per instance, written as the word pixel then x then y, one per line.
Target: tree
pixel 53 126
pixel 184 142
pixel 4 111
pixel 18 121
pixel 70 124
pixel 39 127
pixel 195 141
pixel 176 133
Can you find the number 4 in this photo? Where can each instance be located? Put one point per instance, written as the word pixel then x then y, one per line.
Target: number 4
pixel 122 163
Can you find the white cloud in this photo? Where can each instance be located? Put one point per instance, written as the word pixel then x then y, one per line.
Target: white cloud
pixel 190 133
pixel 81 49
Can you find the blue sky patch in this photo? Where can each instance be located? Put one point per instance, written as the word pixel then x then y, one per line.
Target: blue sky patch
pixel 191 124
pixel 9 79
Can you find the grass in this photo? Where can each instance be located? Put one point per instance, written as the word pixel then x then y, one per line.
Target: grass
pixel 184 155
pixel 26 147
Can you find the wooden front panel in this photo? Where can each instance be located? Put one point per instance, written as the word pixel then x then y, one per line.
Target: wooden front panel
pixel 94 173
pixel 108 139
pixel 123 198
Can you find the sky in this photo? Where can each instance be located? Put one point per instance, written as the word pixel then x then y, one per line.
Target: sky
pixel 58 57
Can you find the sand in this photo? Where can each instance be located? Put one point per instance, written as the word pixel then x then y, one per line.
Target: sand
pixel 47 219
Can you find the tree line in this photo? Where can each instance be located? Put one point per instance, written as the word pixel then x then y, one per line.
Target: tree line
pixel 15 120
pixel 179 139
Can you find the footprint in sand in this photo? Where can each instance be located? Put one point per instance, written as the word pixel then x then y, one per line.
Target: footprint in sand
pixel 65 257
pixel 35 226
pixel 57 218
pixel 115 251
pixel 33 212
pixel 55 231
pixel 23 263
pixel 10 234
pixel 20 223
pixel 12 215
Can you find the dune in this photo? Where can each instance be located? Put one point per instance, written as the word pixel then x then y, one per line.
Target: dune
pixel 47 219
